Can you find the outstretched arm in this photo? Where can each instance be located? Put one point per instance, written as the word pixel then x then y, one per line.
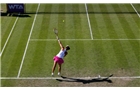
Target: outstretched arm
pixel 61 46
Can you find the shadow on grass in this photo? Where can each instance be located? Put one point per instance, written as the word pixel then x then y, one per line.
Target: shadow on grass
pixel 80 12
pixel 85 81
pixel 21 15
pixel 3 14
pixel 27 13
pixel 15 15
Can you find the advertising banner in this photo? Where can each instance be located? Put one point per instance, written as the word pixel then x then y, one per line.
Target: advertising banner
pixel 15 8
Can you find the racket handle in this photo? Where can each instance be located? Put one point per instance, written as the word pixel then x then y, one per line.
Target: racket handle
pixel 57 38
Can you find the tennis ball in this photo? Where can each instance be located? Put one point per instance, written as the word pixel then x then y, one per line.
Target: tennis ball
pixel 63 21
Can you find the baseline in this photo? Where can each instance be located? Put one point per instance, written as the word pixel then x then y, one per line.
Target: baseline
pixel 127 77
pixel 86 39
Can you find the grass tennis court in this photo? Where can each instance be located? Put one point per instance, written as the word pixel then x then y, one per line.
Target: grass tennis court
pixel 104 40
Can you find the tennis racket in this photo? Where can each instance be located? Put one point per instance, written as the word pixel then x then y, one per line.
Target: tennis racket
pixel 56 32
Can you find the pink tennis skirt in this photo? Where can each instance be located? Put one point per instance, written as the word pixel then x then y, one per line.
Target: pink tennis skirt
pixel 58 60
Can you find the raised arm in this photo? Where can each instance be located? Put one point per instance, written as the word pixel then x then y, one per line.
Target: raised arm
pixel 61 46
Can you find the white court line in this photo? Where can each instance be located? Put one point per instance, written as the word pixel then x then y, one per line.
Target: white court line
pixel 28 42
pixel 9 36
pixel 127 77
pixel 56 39
pixel 135 10
pixel 85 39
pixel 88 21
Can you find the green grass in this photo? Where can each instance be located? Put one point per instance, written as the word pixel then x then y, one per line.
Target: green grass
pixel 87 57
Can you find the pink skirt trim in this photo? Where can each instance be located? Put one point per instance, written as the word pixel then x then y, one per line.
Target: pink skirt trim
pixel 58 60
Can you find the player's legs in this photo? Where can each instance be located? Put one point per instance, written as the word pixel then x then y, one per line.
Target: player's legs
pixel 53 68
pixel 59 69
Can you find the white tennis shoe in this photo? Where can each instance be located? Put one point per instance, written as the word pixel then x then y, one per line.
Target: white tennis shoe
pixel 58 73
pixel 52 74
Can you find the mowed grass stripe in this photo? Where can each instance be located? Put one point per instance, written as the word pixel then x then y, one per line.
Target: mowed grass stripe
pixel 139 51
pixel 100 19
pixel 134 24
pixel 110 55
pixel 42 23
pixel 117 24
pixel 53 20
pixel 107 47
pixel 112 24
pixel 51 49
pixel 109 24
pixel 135 10
pixel 129 33
pixel 20 48
pixel 107 62
pixel 69 23
pixel 107 28
pixel 69 27
pixel 85 30
pixel 11 31
pixel 27 65
pixel 85 59
pixel 13 53
pixel 96 58
pixel 132 13
pixel 126 23
pixel 129 53
pixel 101 57
pixel 44 31
pixel 38 24
pixel 81 59
pixel 129 25
pixel 137 6
pixel 34 65
pixel 132 60
pixel 92 16
pixel 120 55
pixel 46 21
pixel 126 58
pixel 135 45
pixel 28 41
pixel 70 65
pixel 74 22
pixel 39 59
pixel 6 26
pixel 126 42
pixel 36 61
pixel 78 61
pixel 61 25
pixel 9 21
pixel 9 53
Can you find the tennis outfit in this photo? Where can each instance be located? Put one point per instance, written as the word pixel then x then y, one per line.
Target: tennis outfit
pixel 59 57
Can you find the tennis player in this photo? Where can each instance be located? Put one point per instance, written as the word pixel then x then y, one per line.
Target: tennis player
pixel 58 59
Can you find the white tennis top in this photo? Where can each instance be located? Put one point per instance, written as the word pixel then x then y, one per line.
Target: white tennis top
pixel 61 54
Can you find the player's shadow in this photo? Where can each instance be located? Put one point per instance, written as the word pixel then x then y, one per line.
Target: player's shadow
pixel 85 81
